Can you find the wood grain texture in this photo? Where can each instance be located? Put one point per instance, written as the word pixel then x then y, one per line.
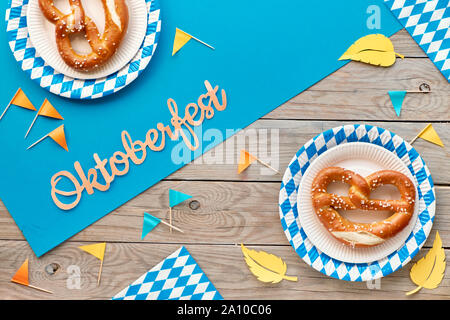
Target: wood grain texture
pixel 228 208
pixel 289 136
pixel 224 265
pixel 229 213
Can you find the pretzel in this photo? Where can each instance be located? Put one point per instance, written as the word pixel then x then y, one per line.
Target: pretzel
pixel 362 234
pixel 103 46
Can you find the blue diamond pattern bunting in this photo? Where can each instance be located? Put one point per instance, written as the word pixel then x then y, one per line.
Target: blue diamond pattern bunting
pixel 178 277
pixel 428 22
pixel 57 83
pixel 288 202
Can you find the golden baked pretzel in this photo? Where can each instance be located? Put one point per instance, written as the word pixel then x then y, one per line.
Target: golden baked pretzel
pixel 103 46
pixel 362 234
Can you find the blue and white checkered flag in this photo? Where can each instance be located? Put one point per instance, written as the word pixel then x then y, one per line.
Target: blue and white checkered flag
pixel 178 277
pixel 428 22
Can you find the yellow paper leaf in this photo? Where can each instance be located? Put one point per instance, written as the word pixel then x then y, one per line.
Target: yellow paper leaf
pixel 428 272
pixel 265 266
pixel 375 49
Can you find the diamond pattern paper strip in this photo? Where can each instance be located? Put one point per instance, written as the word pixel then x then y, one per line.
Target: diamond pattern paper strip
pixel 428 23
pixel 178 277
pixel 289 213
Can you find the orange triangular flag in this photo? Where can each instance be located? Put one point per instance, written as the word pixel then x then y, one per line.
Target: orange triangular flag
pixel 97 250
pixel 59 137
pixel 21 276
pixel 245 160
pixel 429 134
pixel 181 38
pixel 47 110
pixel 21 100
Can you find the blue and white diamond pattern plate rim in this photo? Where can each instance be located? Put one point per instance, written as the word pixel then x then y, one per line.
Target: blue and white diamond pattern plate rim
pixel 288 202
pixel 57 83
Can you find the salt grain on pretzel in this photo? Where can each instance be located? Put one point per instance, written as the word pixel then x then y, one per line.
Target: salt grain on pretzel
pixel 362 234
pixel 103 46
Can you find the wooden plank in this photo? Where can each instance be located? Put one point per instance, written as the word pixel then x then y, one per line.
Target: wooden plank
pixel 360 91
pixel 228 212
pixel 223 264
pixel 406 45
pixel 288 137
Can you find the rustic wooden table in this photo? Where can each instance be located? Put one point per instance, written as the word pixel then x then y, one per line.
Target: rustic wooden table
pixel 231 208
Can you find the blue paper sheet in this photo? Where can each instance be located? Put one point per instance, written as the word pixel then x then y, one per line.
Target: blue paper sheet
pixel 266 53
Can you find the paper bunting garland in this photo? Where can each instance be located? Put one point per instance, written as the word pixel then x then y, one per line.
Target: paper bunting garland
pixel 175 198
pixel 265 266
pixel 178 277
pixel 428 272
pixel 98 251
pixel 21 277
pixel 150 223
pixel 46 110
pixel 20 100
pixel 429 134
pixel 58 135
pixel 181 38
pixel 374 49
pixel 246 159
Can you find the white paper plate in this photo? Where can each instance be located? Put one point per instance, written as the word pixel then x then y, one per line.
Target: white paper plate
pixel 364 159
pixel 42 35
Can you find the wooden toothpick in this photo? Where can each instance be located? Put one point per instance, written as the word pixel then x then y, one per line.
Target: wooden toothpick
pixel 170 218
pixel 202 42
pixel 100 272
pixel 9 104
pixel 267 165
pixel 34 287
pixel 6 109
pixel 40 289
pixel 171 226
pixel 418 135
pixel 32 124
pixel 38 141
pixel 426 89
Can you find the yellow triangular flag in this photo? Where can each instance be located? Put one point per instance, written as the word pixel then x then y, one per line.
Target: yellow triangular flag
pixel 47 110
pixel 429 134
pixel 97 250
pixel 181 38
pixel 428 272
